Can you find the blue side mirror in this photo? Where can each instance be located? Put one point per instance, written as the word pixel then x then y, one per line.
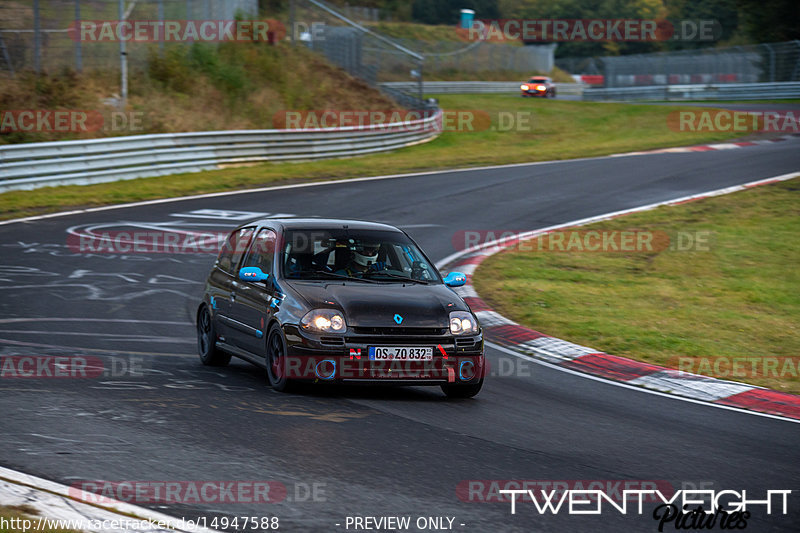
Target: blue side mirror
pixel 252 274
pixel 455 279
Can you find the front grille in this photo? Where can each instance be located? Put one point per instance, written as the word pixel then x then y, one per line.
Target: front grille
pixel 402 340
pixel 465 343
pixel 399 332
pixel 332 341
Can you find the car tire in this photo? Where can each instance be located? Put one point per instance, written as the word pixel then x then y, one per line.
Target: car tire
pixel 210 355
pixel 462 391
pixel 276 360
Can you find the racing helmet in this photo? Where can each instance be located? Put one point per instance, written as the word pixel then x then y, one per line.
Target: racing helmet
pixel 366 253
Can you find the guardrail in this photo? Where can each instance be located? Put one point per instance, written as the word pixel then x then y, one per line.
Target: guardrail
pixel 480 87
pixel 32 165
pixel 721 91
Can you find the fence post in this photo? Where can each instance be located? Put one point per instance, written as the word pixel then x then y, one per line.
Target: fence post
pixel 189 10
pixel 123 60
pixel 6 56
pixel 161 32
pixel 771 64
pixel 37 38
pixel 78 51
pixel 292 29
pixel 420 88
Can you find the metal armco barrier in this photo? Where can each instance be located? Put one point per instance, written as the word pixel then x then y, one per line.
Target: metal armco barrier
pixel 480 87
pixel 32 165
pixel 722 91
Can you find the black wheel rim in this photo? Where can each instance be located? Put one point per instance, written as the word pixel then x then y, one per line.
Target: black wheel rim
pixel 275 366
pixel 204 332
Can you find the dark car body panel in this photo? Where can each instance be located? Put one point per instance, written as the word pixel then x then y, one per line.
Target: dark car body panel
pixel 243 313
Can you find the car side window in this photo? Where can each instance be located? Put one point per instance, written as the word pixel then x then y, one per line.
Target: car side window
pixel 262 251
pixel 233 249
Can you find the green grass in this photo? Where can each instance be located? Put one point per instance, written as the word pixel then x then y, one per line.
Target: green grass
pixel 558 130
pixel 24 512
pixel 740 298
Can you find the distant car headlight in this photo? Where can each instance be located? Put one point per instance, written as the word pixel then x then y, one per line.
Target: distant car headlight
pixel 462 323
pixel 541 88
pixel 324 320
pixel 524 87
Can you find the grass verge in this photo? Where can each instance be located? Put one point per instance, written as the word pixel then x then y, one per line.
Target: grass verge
pixel 14 517
pixel 737 298
pixel 555 130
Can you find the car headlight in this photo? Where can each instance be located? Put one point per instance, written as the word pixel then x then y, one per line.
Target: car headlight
pixel 524 87
pixel 324 320
pixel 462 323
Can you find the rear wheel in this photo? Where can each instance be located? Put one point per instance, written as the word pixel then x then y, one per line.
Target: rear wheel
pixel 276 360
pixel 210 355
pixel 462 391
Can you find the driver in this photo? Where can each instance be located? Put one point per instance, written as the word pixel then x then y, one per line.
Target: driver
pixel 363 258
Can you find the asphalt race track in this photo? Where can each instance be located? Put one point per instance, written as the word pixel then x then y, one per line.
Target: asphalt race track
pixel 361 451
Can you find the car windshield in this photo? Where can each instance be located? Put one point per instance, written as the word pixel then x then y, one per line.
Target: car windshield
pixel 323 254
pixel 538 80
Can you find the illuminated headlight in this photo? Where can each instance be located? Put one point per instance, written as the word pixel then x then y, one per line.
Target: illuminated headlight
pixel 524 87
pixel 324 320
pixel 541 88
pixel 462 323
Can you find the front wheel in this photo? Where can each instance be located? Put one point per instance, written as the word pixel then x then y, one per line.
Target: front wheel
pixel 210 355
pixel 276 360
pixel 462 391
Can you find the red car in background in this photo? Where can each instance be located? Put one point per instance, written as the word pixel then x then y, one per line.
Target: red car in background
pixel 539 86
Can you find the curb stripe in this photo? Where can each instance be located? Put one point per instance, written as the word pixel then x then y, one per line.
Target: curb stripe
pixel 766 401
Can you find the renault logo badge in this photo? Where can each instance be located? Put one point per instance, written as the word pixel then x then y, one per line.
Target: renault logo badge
pixel 398 319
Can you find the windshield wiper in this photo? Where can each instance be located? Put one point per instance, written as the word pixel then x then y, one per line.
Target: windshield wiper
pixel 397 276
pixel 338 276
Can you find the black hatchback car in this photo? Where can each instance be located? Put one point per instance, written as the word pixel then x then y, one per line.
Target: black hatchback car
pixel 338 301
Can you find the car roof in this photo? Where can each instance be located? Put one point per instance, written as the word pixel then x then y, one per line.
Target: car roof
pixel 324 223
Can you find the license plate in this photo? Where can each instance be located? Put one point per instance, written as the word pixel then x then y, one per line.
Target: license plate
pixel 400 353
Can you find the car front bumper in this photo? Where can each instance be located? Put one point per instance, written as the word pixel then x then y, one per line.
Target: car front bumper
pixel 346 358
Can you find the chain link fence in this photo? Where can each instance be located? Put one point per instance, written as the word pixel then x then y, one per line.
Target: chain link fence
pixel 446 56
pixel 359 50
pixel 761 63
pixel 42 35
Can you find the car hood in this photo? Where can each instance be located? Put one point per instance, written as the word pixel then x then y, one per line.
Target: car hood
pixel 375 305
